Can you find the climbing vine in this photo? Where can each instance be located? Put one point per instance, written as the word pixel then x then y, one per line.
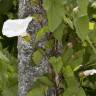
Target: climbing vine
pixel 71 40
pixel 70 47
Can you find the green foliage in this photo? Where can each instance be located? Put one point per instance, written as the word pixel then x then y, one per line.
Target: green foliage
pixel 58 33
pixel 8 62
pixel 72 24
pixel 83 5
pixel 69 22
pixel 8 74
pixel 38 91
pixel 73 87
pixel 72 45
pixel 45 80
pixel 41 33
pixel 56 64
pixel 37 57
pixel 54 10
pixel 91 25
pixel 5 5
pixel 82 27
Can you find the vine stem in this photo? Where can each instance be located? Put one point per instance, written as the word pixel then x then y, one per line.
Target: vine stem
pixel 89 41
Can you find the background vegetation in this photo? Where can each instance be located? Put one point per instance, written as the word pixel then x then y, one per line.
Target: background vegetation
pixel 70 23
pixel 8 51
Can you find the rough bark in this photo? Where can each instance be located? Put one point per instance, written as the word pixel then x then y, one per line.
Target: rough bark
pixel 27 72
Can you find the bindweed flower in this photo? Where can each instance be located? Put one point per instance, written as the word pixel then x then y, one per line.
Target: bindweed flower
pixel 16 27
pixel 88 72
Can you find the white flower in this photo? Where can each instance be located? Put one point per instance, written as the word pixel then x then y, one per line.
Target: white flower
pixel 89 72
pixel 76 9
pixel 16 27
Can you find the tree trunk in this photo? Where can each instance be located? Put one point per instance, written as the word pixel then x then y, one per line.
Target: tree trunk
pixel 27 72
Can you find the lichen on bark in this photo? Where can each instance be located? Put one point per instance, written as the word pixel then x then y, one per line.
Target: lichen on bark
pixel 27 72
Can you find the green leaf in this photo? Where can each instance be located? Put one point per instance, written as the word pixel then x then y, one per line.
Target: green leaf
pixel 73 86
pixel 82 27
pixel 3 57
pixel 49 45
pixel 92 36
pixel 55 12
pixel 46 81
pixel 67 55
pixel 92 33
pixel 69 76
pixel 69 22
pixel 58 33
pixel 27 38
pixel 56 63
pixel 10 91
pixel 77 60
pixel 1 37
pixel 37 57
pixel 91 25
pixel 91 44
pixel 40 34
pixel 83 5
pixel 3 67
pixel 74 91
pixel 47 4
pixel 37 91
